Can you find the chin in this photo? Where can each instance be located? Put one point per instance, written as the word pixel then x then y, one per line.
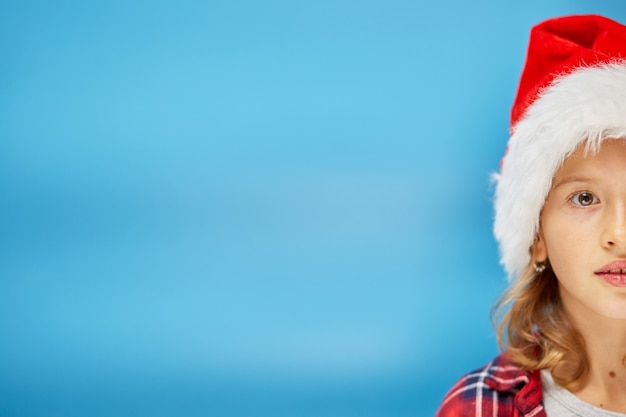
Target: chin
pixel 616 311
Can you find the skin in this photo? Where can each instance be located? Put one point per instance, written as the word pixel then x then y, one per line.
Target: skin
pixel 583 228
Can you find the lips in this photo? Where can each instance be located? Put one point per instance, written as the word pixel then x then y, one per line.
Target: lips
pixel 615 267
pixel 613 273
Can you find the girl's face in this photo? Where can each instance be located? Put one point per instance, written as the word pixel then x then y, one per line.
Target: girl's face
pixel 583 231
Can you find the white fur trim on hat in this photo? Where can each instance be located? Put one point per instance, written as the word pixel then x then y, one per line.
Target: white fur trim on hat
pixel 588 104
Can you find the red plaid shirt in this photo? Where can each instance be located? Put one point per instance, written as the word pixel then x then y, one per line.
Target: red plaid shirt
pixel 499 389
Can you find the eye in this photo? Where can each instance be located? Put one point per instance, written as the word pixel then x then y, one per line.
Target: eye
pixel 584 199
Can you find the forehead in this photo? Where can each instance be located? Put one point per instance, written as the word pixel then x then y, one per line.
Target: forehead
pixel 611 153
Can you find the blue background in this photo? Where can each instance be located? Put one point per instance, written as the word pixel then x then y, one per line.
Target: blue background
pixel 251 208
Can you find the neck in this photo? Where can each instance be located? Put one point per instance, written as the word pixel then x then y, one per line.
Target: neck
pixel 605 344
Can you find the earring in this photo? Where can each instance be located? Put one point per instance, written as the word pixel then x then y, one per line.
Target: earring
pixel 540 267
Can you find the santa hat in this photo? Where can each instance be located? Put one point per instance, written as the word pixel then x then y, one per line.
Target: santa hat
pixel 572 91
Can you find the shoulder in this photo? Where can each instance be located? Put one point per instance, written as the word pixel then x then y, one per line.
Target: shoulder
pixel 492 390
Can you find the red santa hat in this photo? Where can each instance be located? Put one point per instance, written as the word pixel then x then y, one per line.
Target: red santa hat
pixel 572 91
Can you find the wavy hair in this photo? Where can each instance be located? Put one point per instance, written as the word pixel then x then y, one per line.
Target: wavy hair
pixel 534 332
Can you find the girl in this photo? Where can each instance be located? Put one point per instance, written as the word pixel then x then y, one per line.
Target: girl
pixel 560 221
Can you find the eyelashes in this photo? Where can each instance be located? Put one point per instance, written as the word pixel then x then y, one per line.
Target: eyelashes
pixel 584 199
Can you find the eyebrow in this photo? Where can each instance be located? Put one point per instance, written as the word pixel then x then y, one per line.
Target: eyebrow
pixel 569 180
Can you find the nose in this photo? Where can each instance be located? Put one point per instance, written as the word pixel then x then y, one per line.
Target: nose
pixel 614 235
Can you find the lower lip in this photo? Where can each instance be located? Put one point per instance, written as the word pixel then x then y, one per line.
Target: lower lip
pixel 617 280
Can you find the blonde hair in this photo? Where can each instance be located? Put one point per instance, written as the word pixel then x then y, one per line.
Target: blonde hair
pixel 534 332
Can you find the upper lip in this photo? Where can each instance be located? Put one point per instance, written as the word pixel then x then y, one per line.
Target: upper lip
pixel 615 267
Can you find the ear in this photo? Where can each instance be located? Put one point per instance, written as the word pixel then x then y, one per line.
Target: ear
pixel 538 251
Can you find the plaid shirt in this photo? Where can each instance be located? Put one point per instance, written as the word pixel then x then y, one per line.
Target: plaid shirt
pixel 499 389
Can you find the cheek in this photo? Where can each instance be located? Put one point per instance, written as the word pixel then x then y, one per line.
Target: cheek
pixel 566 246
